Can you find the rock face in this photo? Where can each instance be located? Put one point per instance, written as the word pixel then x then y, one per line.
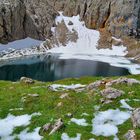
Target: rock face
pixel 34 18
pixel 25 18
pixel 121 17
pixel 136 118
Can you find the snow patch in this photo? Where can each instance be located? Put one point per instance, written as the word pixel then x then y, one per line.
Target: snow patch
pixel 81 122
pixel 57 87
pixel 8 124
pixel 105 123
pixel 125 105
pixel 66 137
pixel 25 135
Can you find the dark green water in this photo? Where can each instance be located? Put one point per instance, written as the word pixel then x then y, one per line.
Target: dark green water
pixel 50 68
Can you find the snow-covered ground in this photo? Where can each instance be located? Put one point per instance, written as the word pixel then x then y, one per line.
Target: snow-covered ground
pixel 81 122
pixel 105 123
pixel 66 137
pixel 8 124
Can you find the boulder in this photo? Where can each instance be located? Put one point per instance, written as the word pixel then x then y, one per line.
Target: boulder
pixel 27 80
pixel 136 118
pixel 130 135
pixel 111 93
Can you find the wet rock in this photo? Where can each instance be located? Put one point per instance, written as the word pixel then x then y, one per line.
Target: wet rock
pixel 130 135
pixel 111 93
pixel 27 80
pixel 136 118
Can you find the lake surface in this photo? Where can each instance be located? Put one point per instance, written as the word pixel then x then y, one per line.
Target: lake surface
pixel 50 68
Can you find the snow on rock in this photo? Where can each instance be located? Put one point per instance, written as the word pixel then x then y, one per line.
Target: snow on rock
pixel 87 39
pixel 8 124
pixel 125 105
pixel 105 122
pixel 81 122
pixel 21 44
pixel 86 46
pixel 57 87
pixel 19 48
pixel 25 135
pixel 66 137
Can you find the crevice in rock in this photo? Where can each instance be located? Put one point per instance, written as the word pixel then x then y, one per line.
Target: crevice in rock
pixel 85 9
pixel 107 16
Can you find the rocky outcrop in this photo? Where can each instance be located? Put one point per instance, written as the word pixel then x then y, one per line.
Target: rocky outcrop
pixel 12 13
pixel 25 18
pixel 121 17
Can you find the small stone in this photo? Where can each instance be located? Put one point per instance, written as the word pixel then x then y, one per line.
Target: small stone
pixel 59 104
pixel 130 135
pixel 70 23
pixel 136 118
pixel 131 92
pixel 65 95
pixel 27 80
pixel 46 127
pixel 33 95
pixel 69 115
pixel 111 93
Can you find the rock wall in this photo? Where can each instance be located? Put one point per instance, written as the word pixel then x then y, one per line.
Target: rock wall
pixel 22 18
pixel 120 17
pixel 34 18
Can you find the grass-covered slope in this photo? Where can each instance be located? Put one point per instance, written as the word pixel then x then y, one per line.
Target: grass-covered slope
pixel 16 95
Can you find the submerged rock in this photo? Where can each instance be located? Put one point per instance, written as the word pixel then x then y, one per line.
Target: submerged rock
pixel 111 93
pixel 136 118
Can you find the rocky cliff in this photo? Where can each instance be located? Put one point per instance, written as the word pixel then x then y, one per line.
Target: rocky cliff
pixel 121 17
pixel 22 18
pixel 34 18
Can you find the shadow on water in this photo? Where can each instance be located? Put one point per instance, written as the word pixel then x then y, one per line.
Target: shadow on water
pixel 50 68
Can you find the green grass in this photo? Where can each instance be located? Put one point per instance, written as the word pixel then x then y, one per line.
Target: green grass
pixel 12 95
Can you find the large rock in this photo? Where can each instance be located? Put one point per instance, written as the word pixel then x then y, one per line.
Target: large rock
pixel 130 135
pixel 25 18
pixel 12 14
pixel 119 17
pixel 136 118
pixel 111 93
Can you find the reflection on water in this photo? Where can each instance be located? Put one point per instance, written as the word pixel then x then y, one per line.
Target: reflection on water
pixel 50 68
